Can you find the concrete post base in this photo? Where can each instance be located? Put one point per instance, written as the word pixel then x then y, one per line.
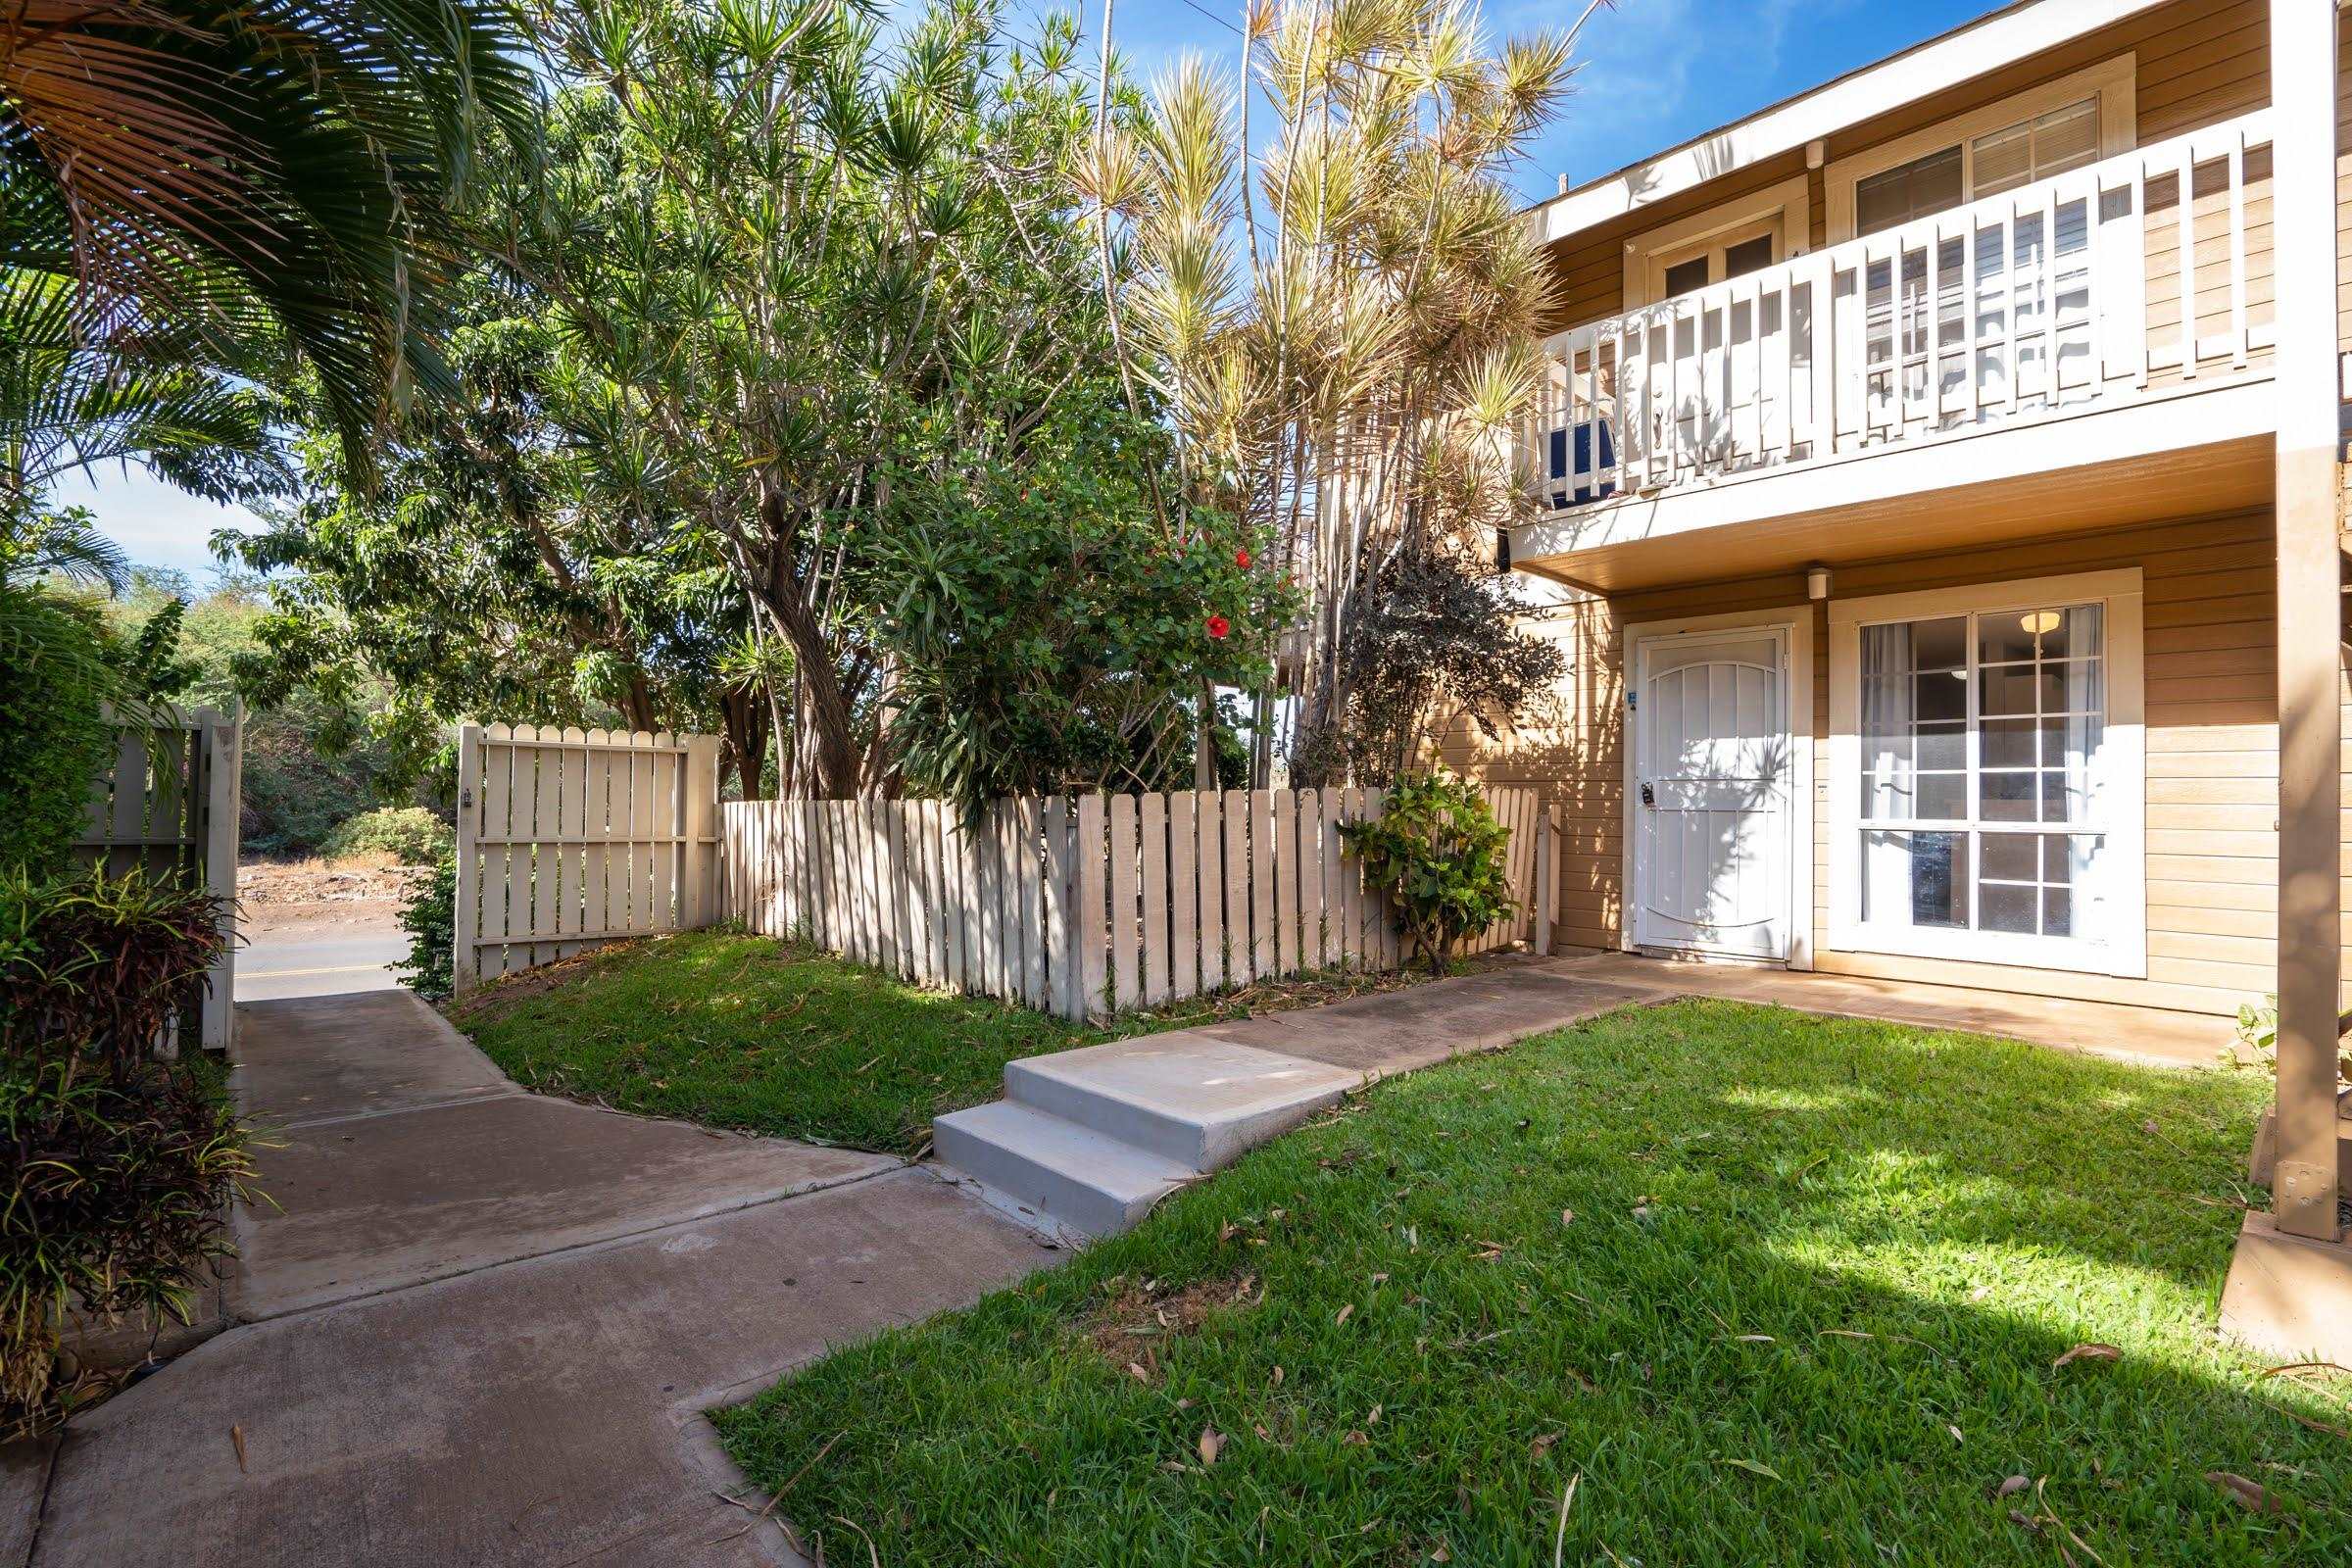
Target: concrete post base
pixel 2288 1296
pixel 2264 1163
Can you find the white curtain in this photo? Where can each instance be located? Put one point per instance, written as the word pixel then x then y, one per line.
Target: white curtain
pixel 2087 784
pixel 1889 791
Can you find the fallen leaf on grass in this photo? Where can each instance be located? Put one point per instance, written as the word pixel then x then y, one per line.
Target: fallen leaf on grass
pixel 1275 1379
pixel 1355 1440
pixel 1137 1369
pixel 1346 1312
pixel 1753 1467
pixel 2305 1421
pixel 2292 1368
pixel 2011 1487
pixel 2252 1493
pixel 1537 1449
pixel 1955 1432
pixel 1567 1216
pixel 2089 1352
pixel 1212 1444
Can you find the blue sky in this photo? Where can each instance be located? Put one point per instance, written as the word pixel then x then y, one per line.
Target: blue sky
pixel 1654 73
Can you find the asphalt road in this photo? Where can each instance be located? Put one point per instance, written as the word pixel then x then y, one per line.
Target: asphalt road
pixel 319 960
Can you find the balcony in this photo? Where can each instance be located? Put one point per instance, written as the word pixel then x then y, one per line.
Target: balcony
pixel 1959 375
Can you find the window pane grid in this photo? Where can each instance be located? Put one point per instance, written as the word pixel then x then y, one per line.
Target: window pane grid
pixel 2009 706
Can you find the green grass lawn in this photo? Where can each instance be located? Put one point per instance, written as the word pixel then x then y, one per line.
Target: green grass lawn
pixel 752 1033
pixel 779 1038
pixel 1754 1288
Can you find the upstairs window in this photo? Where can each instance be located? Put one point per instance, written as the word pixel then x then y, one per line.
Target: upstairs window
pixel 1984 166
pixel 2030 136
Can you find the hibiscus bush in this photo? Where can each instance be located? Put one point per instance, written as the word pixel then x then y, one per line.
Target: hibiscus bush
pixel 1056 620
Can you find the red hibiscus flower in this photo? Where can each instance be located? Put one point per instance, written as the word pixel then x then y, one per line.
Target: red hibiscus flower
pixel 1218 625
pixel 1241 558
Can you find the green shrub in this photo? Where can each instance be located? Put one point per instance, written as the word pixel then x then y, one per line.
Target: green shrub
pixel 429 915
pixel 410 834
pixel 56 669
pixel 1440 856
pixel 2258 1037
pixel 122 1165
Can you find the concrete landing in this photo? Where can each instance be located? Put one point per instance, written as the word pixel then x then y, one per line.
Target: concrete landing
pixel 1399 1031
pixel 1190 1096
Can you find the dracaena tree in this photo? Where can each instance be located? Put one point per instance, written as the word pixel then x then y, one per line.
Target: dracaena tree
pixel 1343 319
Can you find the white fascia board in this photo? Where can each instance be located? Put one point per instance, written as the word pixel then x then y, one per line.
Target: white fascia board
pixel 1998 40
pixel 2186 418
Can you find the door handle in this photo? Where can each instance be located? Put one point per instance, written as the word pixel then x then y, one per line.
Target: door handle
pixel 1650 797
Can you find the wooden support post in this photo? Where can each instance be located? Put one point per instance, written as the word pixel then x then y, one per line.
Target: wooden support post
pixel 2310 609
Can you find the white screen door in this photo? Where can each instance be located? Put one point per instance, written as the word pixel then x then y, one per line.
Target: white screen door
pixel 1714 771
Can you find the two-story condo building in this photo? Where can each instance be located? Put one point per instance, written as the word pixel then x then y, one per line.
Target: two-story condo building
pixel 1939 473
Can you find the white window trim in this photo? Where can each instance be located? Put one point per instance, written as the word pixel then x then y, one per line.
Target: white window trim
pixel 1788 203
pixel 2125 952
pixel 1797 622
pixel 2112 81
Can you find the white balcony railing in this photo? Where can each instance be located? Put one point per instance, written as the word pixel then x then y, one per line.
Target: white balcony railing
pixel 2061 294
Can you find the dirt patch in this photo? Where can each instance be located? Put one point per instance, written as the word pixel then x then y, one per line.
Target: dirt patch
pixel 1286 994
pixel 503 996
pixel 365 890
pixel 1139 1317
pixel 361 879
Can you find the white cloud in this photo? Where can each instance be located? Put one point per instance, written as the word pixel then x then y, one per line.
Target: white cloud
pixel 156 524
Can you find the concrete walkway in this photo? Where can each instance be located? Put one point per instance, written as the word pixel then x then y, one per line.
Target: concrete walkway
pixel 1086 1142
pixel 485 1325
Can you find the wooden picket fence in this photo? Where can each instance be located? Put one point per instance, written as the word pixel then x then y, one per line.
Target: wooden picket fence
pixel 570 837
pixel 167 804
pixel 1093 904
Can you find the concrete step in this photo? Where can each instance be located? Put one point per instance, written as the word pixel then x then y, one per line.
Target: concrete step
pixel 1071 1176
pixel 1187 1096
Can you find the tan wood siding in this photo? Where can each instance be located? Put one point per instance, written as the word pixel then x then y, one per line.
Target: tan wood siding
pixel 2212 752
pixel 2194 62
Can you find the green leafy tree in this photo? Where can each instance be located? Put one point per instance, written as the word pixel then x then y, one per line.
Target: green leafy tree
pixel 1439 853
pixel 842 298
pixel 526 556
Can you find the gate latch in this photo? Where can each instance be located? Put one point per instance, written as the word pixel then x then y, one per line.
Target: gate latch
pixel 1650 797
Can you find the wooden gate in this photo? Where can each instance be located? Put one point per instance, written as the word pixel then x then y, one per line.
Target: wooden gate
pixel 570 837
pixel 166 804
